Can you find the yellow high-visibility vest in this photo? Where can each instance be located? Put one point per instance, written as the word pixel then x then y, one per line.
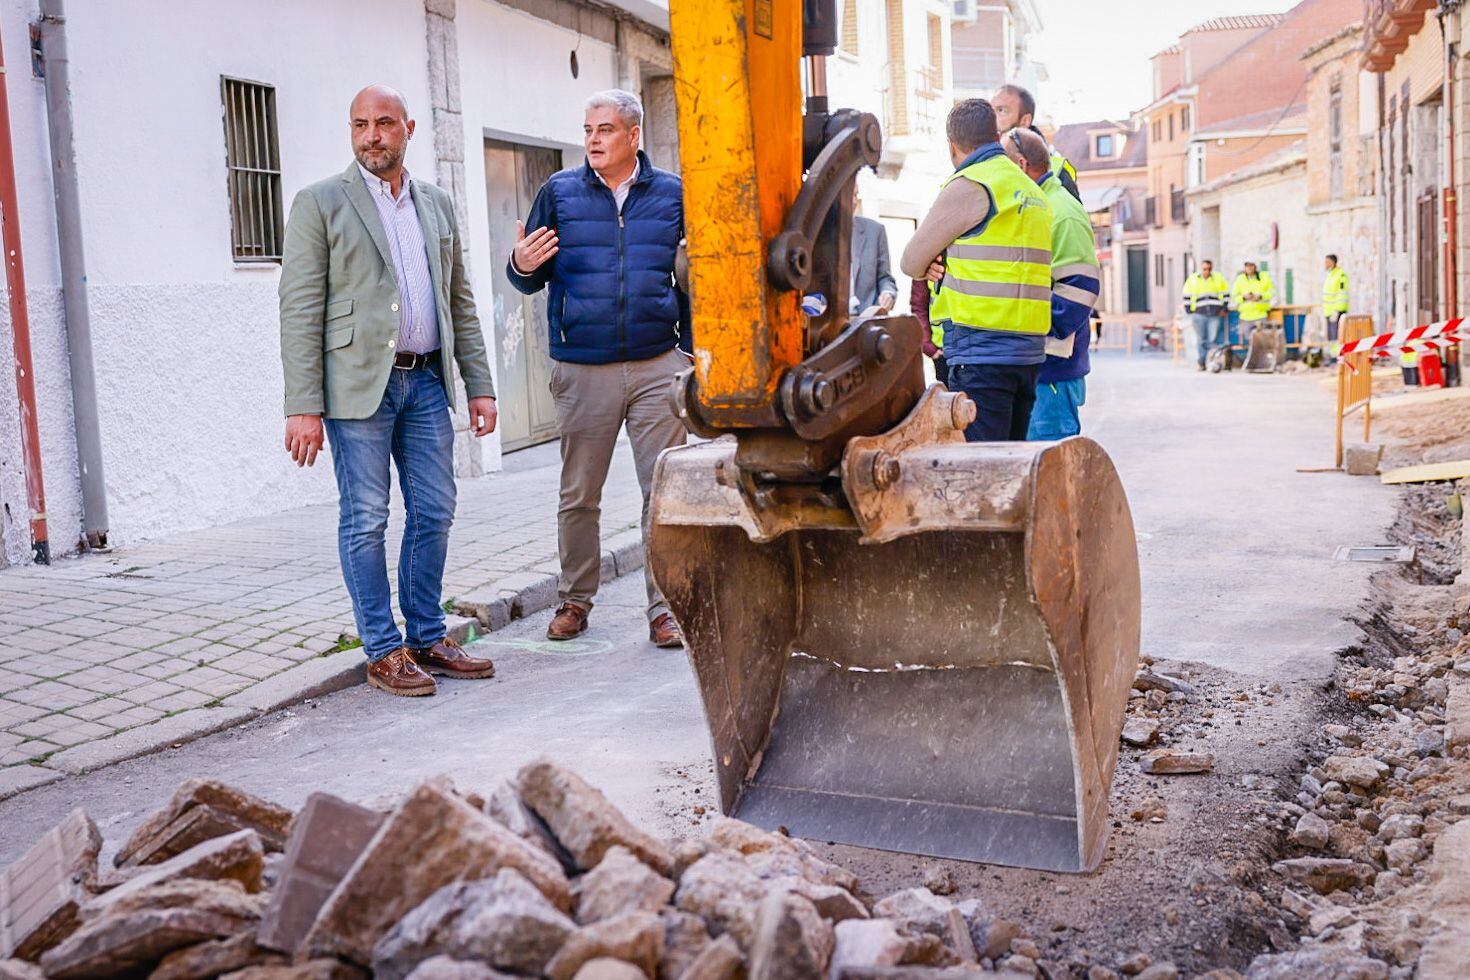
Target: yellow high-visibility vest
pixel 1335 292
pixel 1000 279
pixel 1262 286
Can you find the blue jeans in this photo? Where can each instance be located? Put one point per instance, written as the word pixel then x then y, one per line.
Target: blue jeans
pixel 1055 415
pixel 412 426
pixel 1211 333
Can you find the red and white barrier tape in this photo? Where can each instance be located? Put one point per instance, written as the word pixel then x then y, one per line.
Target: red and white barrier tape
pixel 1401 338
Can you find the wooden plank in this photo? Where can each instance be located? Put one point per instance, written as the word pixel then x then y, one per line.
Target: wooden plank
pixel 1429 472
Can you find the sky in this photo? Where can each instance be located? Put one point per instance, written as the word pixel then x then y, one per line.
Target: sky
pixel 1097 51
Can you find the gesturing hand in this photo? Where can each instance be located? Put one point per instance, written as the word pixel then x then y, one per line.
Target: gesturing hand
pixel 483 414
pixel 533 250
pixel 304 438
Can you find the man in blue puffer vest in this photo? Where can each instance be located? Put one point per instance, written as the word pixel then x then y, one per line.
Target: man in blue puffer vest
pixel 605 240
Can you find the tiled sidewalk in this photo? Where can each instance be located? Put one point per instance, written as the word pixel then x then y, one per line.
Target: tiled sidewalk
pixel 102 644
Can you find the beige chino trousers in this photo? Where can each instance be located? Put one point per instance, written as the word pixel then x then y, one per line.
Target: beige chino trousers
pixel 593 402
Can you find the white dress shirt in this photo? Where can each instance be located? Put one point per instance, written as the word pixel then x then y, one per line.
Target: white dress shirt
pixel 418 322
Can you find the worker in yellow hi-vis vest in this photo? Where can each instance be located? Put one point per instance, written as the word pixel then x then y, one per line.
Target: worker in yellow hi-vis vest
pixel 1334 300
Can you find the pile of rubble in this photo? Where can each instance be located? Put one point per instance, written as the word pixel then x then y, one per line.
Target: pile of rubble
pixel 1378 881
pixel 542 878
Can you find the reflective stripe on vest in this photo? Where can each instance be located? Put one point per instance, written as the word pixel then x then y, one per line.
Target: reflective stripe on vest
pixel 1060 163
pixel 1000 279
pixel 1205 292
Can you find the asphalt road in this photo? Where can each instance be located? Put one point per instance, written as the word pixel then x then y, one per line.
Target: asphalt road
pixel 1236 551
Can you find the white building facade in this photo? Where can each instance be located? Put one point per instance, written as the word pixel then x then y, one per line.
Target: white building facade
pixel 893 62
pixel 181 277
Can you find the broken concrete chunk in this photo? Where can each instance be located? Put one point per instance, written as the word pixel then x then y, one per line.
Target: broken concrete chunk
pixel 326 839
pixel 433 839
pixel 506 806
pixel 325 968
pixel 867 942
pixel 1361 771
pixel 210 959
pixel 636 937
pixel 606 968
pixel 1325 875
pixel 792 942
pixel 41 894
pixel 721 960
pixel 1402 855
pixel 620 883
pixel 723 891
pixel 1147 680
pixel 201 809
pixel 1401 826
pixel 583 820
pixel 141 928
pixel 685 938
pixel 1170 762
pixel 917 910
pixel 445 968
pixel 1326 963
pixel 1160 971
pixel 237 857
pixel 1140 732
pixel 773 855
pixel 1311 832
pixel 1299 905
pixel 503 921
pixel 1361 459
pixel 922 973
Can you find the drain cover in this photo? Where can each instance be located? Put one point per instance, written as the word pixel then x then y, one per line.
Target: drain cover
pixel 1383 553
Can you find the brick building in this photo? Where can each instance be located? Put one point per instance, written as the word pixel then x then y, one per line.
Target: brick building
pixel 1112 174
pixel 1169 122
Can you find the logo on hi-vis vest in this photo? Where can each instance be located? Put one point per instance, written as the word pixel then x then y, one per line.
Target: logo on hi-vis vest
pixel 1028 200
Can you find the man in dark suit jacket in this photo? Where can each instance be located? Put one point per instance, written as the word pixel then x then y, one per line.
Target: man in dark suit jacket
pixel 872 282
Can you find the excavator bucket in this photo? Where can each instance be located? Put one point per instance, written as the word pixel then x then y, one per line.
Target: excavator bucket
pixel 940 667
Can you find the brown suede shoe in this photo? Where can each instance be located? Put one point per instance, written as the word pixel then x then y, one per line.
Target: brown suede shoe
pixel 664 632
pixel 398 674
pixel 569 622
pixel 449 659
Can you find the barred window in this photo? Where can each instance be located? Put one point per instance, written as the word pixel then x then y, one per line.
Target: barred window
pixel 253 162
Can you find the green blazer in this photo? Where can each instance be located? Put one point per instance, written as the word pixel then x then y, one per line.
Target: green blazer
pixel 339 299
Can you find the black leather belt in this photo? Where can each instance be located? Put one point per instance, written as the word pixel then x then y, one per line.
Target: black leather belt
pixel 404 361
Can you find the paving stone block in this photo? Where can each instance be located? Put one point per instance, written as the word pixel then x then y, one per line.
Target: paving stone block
pixel 42 893
pixel 326 839
pixel 238 857
pixel 199 810
pixel 433 839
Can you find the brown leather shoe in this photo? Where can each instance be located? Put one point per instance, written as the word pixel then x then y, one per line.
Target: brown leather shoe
pixel 449 659
pixel 569 622
pixel 398 674
pixel 664 632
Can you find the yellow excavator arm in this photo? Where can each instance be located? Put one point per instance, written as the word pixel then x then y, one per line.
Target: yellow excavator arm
pixel 902 640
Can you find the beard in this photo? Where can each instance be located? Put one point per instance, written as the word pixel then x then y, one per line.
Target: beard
pixel 376 160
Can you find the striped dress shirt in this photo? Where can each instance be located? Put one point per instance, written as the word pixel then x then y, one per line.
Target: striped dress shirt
pixel 418 322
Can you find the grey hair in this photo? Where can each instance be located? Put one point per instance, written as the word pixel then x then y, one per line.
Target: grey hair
pixel 626 104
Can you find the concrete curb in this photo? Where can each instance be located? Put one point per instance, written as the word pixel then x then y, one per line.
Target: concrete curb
pixel 513 597
pixel 528 592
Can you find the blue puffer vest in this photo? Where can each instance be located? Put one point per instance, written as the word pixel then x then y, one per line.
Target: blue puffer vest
pixel 612 293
